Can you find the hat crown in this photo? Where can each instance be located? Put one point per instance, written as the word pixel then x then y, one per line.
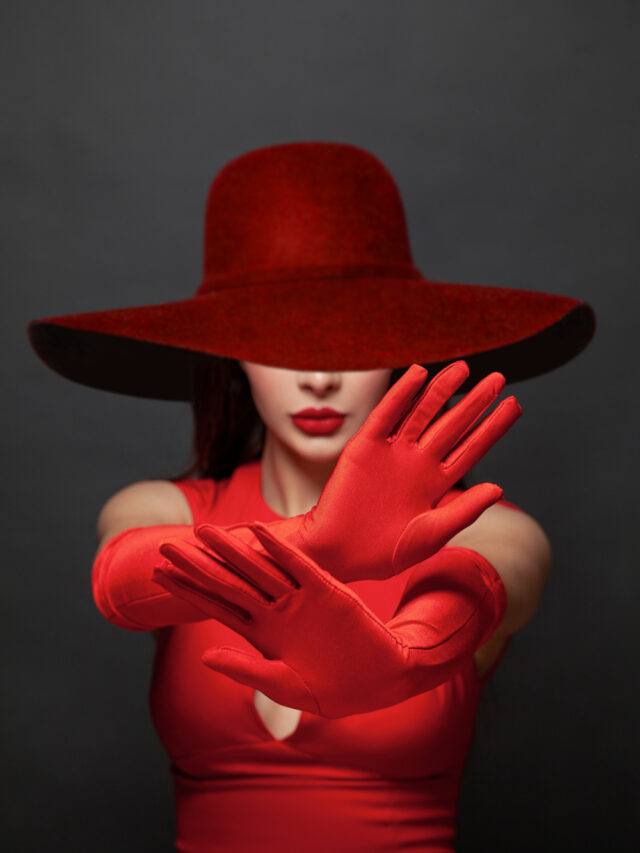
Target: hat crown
pixel 308 267
pixel 303 206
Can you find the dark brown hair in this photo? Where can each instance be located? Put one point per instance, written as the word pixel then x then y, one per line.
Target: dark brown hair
pixel 227 429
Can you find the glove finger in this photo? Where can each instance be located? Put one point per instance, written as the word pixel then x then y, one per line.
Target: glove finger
pixel 427 533
pixel 274 678
pixel 438 391
pixel 420 539
pixel 211 573
pixel 219 581
pixel 472 503
pixel 463 510
pixel 474 446
pixel 394 406
pixel 247 561
pixel 214 606
pixel 454 424
pixel 290 558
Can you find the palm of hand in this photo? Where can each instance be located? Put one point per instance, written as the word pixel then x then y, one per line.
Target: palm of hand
pixel 318 647
pixel 377 514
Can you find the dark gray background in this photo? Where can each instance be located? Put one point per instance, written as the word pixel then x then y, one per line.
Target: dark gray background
pixel 512 131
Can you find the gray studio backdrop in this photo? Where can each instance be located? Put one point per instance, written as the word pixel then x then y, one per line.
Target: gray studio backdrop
pixel 512 131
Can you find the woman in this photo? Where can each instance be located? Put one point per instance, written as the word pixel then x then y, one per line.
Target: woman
pixel 347 596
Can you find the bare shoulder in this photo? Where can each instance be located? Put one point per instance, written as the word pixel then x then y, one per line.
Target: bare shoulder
pixel 508 529
pixel 519 549
pixel 143 504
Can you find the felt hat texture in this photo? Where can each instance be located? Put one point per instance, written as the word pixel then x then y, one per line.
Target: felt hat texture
pixel 307 265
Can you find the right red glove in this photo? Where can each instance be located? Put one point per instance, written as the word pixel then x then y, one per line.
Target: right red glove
pixel 318 647
pixel 377 514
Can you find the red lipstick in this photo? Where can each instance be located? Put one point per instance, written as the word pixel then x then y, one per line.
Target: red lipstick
pixel 322 421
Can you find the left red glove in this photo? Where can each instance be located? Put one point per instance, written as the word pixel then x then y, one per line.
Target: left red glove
pixel 121 579
pixel 319 647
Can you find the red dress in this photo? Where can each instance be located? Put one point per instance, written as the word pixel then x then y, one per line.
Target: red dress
pixel 387 780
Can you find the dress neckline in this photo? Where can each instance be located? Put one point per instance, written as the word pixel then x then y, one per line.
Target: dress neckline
pixel 253 471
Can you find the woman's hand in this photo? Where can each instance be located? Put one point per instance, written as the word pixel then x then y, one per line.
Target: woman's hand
pixel 377 514
pixel 318 647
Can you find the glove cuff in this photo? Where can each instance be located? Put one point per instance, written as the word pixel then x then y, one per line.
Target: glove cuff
pixel 452 604
pixel 122 586
pixel 495 602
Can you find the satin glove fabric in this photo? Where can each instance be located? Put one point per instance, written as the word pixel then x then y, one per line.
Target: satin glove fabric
pixel 377 514
pixel 318 647
pixel 122 584
pixel 386 466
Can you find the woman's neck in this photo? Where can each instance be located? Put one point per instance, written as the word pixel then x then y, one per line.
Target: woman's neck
pixel 291 485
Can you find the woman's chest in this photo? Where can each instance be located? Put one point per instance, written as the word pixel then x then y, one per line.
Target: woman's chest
pixel 199 713
pixel 281 721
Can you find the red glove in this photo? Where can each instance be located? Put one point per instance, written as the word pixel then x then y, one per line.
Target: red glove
pixel 319 647
pixel 123 589
pixel 377 514
pixel 384 461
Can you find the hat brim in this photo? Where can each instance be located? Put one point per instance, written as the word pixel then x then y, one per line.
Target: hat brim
pixel 151 351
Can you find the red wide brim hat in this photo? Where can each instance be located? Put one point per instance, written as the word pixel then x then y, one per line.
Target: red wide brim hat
pixel 307 266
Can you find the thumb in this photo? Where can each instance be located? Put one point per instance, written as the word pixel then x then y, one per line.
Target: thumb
pixel 427 533
pixel 470 505
pixel 274 678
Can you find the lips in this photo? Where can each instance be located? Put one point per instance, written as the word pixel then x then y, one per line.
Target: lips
pixel 323 421
pixel 324 412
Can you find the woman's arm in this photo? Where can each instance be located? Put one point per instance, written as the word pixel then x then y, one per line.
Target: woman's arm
pixel 520 551
pixel 143 504
pixel 317 646
pixel 131 526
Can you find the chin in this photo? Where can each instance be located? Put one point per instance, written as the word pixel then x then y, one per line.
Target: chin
pixel 330 452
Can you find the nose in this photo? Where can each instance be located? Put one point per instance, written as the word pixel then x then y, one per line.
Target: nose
pixel 321 383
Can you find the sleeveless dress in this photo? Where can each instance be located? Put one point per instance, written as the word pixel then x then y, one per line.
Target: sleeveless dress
pixel 386 780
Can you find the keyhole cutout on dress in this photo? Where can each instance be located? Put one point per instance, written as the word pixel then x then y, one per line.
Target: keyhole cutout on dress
pixel 279 720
